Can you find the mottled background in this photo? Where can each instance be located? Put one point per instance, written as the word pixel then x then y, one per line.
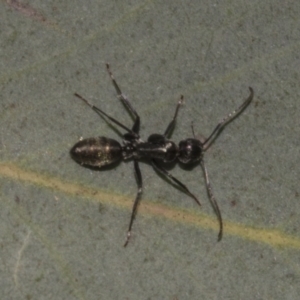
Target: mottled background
pixel 62 227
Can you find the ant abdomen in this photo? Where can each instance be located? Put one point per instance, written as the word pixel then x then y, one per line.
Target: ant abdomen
pixel 190 151
pixel 96 152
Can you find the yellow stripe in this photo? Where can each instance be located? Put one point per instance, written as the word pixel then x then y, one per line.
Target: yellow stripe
pixel 275 238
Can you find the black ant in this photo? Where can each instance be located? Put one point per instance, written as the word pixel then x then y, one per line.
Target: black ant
pixel 102 151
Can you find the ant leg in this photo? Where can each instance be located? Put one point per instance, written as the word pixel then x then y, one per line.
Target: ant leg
pixel 102 113
pixel 125 101
pixel 227 119
pixel 213 200
pixel 163 171
pixel 139 181
pixel 172 123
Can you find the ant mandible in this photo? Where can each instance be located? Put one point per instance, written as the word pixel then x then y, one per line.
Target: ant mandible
pixel 102 151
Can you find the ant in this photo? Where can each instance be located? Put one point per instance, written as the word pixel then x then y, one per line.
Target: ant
pixel 102 151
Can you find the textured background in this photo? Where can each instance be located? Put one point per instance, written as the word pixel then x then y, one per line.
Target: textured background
pixel 62 227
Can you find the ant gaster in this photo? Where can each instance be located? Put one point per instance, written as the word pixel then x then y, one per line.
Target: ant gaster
pixel 102 151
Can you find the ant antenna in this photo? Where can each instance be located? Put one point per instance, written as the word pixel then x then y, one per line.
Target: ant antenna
pixel 226 120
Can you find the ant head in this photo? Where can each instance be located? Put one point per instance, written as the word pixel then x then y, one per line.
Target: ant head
pixel 190 151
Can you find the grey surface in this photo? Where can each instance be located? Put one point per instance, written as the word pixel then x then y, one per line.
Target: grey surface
pixel 62 227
